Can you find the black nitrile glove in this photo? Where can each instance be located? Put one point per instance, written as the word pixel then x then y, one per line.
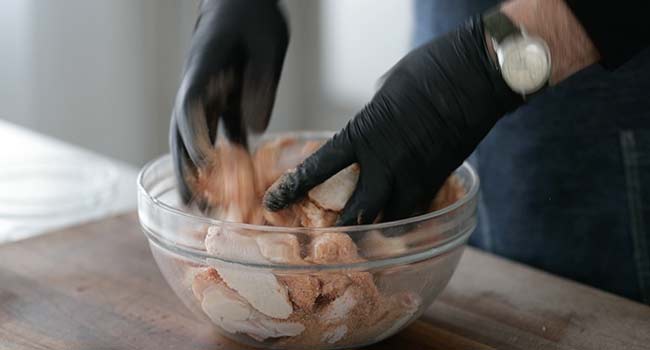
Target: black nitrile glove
pixel 433 109
pixel 231 74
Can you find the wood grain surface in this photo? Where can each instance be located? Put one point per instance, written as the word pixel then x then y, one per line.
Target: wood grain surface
pixel 96 287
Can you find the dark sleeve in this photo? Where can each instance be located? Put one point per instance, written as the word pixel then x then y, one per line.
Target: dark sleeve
pixel 619 29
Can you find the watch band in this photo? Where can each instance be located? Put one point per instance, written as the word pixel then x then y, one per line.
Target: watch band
pixel 499 26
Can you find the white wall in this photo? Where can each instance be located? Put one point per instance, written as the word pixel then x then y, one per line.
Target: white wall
pixel 359 41
pixel 15 59
pixel 338 51
pixel 103 73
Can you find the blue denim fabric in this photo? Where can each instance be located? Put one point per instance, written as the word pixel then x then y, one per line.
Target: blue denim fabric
pixel 566 178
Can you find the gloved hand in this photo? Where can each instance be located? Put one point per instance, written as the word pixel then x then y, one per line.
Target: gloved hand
pixel 432 110
pixel 231 74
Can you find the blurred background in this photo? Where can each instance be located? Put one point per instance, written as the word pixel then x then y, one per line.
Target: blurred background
pixel 102 74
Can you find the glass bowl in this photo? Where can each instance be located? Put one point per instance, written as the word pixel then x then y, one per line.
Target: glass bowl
pixel 399 268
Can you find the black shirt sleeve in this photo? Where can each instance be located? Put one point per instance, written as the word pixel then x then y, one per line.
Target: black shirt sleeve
pixel 618 29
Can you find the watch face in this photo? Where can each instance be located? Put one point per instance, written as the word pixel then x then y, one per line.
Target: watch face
pixel 525 64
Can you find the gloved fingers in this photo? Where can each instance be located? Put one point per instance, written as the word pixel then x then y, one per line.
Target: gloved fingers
pixel 183 166
pixel 233 123
pixel 260 84
pixel 262 74
pixel 328 160
pixel 367 200
pixel 203 119
pixel 213 122
pixel 198 110
pixel 212 71
pixel 407 200
pixel 402 204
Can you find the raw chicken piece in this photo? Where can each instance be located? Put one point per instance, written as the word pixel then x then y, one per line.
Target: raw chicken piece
pixel 450 192
pixel 234 314
pixel 335 191
pixel 323 204
pixel 273 158
pixel 227 184
pixel 273 329
pixel 303 290
pixel 335 334
pixel 282 248
pixel 203 279
pixel 409 303
pixel 225 307
pixel 311 215
pixel 284 218
pixel 227 243
pixel 285 248
pixel 266 161
pixel 260 288
pixel 332 247
pixel 367 284
pixel 338 248
pixel 374 244
pixel 333 284
pixel 339 309
pixel 256 215
pixel 291 156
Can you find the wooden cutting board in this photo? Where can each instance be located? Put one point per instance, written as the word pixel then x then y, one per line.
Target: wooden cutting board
pixel 96 287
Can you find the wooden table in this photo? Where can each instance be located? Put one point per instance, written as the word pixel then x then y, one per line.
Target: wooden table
pixel 96 287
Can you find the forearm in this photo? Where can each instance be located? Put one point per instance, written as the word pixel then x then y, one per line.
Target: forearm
pixel 570 47
pixel 619 29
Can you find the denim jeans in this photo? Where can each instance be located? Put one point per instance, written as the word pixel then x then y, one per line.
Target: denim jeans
pixel 565 180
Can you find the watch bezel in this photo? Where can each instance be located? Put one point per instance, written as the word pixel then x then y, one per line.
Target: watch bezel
pixel 521 40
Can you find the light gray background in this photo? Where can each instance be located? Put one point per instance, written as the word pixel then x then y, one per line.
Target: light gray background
pixel 102 74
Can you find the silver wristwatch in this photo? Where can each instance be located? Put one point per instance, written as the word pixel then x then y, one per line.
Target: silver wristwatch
pixel 524 60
